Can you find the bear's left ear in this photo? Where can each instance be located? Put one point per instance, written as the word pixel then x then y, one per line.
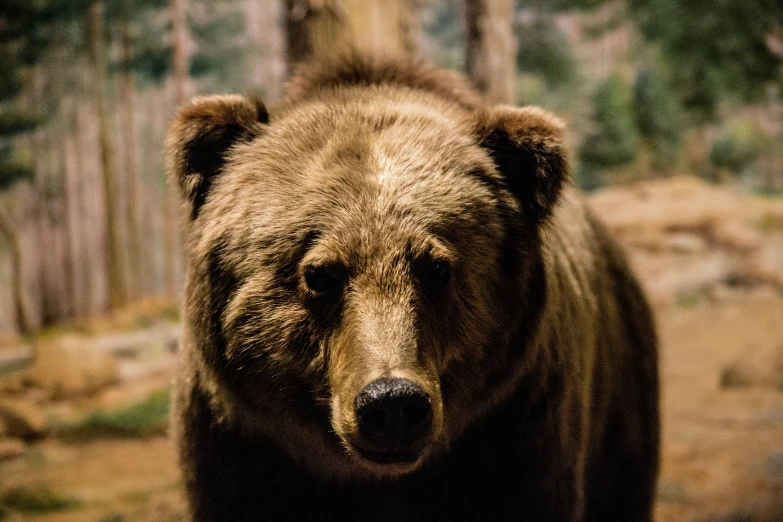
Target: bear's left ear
pixel 200 137
pixel 527 147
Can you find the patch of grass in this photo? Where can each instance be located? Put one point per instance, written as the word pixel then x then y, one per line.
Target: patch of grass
pixel 114 517
pixel 669 491
pixel 35 458
pixel 36 501
pixel 8 370
pixel 740 514
pixel 172 312
pixel 146 418
pixel 771 222
pixel 137 497
pixel 691 298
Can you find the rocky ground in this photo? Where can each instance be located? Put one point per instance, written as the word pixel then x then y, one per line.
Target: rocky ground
pixel 82 429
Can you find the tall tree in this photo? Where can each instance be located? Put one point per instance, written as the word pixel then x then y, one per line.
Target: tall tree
pixel 178 15
pixel 173 242
pixel 17 279
pixel 132 225
pixel 614 139
pixel 715 48
pixel 265 28
pixel 657 115
pixel 543 49
pixel 328 27
pixel 490 53
pixel 95 32
pixel 17 50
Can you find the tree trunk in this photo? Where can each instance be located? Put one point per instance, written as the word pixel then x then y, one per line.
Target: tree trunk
pixel 132 217
pixel 115 279
pixel 265 29
pixel 11 238
pixel 489 57
pixel 179 50
pixel 69 250
pixel 328 27
pixel 83 209
pixel 37 152
pixel 173 241
pixel 313 28
pixel 412 32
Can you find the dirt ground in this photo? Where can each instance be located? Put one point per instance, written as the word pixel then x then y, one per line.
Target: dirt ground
pixel 721 372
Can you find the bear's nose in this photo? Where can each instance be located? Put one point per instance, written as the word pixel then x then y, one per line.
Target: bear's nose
pixel 393 414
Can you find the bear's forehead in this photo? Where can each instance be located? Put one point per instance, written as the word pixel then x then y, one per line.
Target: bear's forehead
pixel 368 151
pixel 361 172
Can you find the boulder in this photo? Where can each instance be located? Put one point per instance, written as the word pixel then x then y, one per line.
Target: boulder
pixel 10 449
pixel 23 419
pixel 72 366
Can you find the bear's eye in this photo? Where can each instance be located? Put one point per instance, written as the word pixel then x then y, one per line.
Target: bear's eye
pixel 436 273
pixel 323 279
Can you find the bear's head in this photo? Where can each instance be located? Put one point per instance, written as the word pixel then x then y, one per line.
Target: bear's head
pixel 364 264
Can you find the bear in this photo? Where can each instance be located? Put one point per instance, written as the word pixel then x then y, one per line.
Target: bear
pixel 398 306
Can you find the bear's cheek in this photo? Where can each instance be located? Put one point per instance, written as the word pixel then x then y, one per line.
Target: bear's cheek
pixel 273 346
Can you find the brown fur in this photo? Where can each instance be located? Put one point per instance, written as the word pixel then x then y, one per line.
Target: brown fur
pixel 540 355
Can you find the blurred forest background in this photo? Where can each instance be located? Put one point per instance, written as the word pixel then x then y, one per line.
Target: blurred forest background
pixel 87 224
pixel 675 117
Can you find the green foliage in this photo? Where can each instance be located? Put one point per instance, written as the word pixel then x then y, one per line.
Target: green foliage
pixel 221 53
pixel 657 117
pixel 578 5
pixel 114 517
pixel 117 9
pixel 23 38
pixel 15 122
pixel 441 22
pixel 12 172
pixel 10 84
pixel 151 63
pixel 716 48
pixel 36 501
pixel 614 140
pixel 544 49
pixel 737 148
pixel 149 417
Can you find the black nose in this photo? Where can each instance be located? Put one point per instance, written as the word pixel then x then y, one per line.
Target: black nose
pixel 393 414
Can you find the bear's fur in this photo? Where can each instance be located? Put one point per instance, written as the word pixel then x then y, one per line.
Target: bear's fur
pixel 539 354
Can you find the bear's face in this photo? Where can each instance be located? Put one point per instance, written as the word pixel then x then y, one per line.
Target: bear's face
pixel 358 270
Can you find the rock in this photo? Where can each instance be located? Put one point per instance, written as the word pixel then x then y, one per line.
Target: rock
pixel 23 419
pixel 71 366
pixel 13 384
pixel 686 243
pixel 775 464
pixel 10 449
pixel 765 267
pixel 737 237
pixel 740 514
pixel 763 370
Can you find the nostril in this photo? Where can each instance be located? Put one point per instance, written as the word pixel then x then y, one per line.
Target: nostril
pixel 393 412
pixel 415 414
pixel 375 418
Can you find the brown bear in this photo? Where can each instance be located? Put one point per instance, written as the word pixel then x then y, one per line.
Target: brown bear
pixel 399 308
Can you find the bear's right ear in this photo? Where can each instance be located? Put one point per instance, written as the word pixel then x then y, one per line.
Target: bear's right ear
pixel 201 135
pixel 527 146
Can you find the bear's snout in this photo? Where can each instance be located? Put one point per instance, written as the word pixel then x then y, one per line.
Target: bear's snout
pixel 394 417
